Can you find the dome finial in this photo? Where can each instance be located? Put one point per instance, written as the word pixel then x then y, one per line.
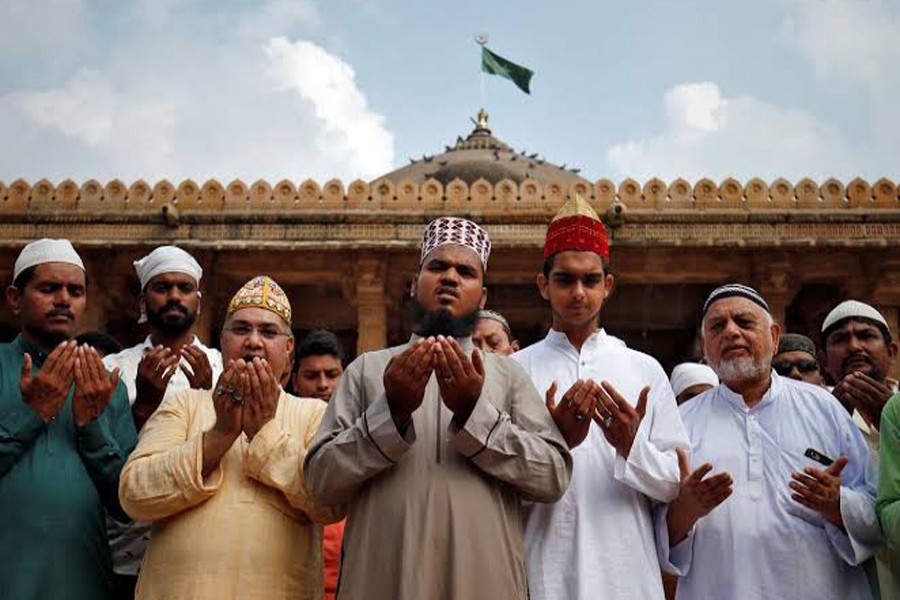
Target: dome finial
pixel 481 124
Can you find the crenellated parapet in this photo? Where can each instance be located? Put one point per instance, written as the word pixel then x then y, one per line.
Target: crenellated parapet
pixel 481 197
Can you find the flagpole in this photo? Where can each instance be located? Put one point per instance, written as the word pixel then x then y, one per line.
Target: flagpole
pixel 482 40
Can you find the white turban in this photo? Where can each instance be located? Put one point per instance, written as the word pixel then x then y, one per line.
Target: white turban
pixel 46 251
pixel 167 259
pixel 688 375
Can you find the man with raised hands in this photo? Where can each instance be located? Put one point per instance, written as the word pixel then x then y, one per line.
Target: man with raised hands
pixel 791 511
pixel 219 472
pixel 65 432
pixel 434 445
pixel 598 541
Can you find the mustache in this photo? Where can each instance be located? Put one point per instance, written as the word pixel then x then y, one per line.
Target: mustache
pixel 176 305
pixel 60 312
pixel 855 357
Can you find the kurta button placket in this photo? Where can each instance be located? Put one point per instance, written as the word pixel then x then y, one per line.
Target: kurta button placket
pixel 755 467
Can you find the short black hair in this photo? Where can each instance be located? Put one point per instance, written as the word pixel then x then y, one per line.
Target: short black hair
pixel 28 274
pixel 319 343
pixel 103 342
pixel 550 260
pixel 885 332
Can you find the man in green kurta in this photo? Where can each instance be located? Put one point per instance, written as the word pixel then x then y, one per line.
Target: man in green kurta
pixel 65 432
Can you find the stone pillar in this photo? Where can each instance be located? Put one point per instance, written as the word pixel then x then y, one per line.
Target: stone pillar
pixel 102 286
pixel 778 285
pixel 370 300
pixel 886 296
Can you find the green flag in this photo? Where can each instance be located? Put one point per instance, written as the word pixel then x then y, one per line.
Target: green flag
pixel 497 65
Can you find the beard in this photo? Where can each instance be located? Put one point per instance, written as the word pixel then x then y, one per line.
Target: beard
pixel 742 369
pixel 168 326
pixel 442 322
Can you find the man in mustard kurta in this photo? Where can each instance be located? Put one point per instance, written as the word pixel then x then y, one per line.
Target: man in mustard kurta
pixel 434 446
pixel 219 472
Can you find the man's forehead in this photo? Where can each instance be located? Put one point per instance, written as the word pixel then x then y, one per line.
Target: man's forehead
pixel 256 316
pixel 489 326
pixel 734 306
pixel 852 325
pixel 172 278
pixel 320 362
pixel 454 253
pixel 577 260
pixel 59 272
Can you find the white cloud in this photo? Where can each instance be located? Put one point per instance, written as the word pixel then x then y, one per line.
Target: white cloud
pixel 327 84
pixel 190 95
pixel 709 135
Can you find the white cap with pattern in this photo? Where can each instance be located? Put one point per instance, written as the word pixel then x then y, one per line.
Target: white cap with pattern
pixel 46 251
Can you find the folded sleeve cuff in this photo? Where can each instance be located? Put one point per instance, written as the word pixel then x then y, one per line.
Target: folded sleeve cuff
pixel 260 447
pixel 382 431
pixel 676 559
pixel 473 437
pixel 94 436
pixel 191 479
pixel 862 537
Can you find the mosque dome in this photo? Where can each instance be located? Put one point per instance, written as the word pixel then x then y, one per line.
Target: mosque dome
pixel 481 155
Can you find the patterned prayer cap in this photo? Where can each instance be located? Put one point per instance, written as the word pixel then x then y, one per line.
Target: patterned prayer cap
pixel 794 342
pixel 730 290
pixel 454 230
pixel 495 316
pixel 262 292
pixel 576 227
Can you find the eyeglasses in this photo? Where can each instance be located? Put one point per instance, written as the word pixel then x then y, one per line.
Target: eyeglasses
pixel 803 365
pixel 266 332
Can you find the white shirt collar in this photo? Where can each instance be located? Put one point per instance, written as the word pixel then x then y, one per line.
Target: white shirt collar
pixel 776 385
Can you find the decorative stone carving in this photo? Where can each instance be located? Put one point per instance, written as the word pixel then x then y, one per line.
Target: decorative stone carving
pixel 706 193
pixel 42 199
pixel 115 196
pixel 481 192
pixel 859 193
pixel 807 193
pixel 358 195
pixel 237 193
pixel 457 193
pixel 18 195
pixel 383 192
pixel 309 195
pixel 655 193
pixel 680 195
pixel 261 195
pixel 581 188
pixel 530 196
pixel 431 192
pixel 555 195
pixel 731 194
pixel 832 193
pixel 333 193
pixel 604 194
pixel 757 194
pixel 782 194
pixel 163 193
pixel 630 194
pixel 885 192
pixel 11 204
pixel 67 194
pixel 286 197
pixel 211 196
pixel 506 192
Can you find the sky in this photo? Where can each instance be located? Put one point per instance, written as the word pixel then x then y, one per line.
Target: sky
pixel 317 89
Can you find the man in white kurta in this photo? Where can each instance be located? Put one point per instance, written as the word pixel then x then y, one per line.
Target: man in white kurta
pixel 598 541
pixel 170 359
pixel 797 522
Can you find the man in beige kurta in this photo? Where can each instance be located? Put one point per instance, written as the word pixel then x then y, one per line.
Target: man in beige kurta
pixel 220 473
pixel 434 478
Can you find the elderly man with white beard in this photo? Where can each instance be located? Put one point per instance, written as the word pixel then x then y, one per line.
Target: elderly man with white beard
pixel 792 513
